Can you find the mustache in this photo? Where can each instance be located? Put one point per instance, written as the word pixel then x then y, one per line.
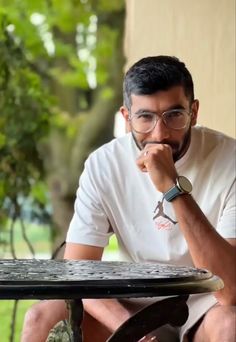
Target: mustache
pixel 173 145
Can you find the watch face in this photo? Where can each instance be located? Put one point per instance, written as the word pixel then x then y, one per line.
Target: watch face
pixel 184 184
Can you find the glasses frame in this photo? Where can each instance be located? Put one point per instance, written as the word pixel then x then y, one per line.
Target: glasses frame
pixel 161 117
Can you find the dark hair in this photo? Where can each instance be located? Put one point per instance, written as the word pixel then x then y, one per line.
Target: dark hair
pixel 151 74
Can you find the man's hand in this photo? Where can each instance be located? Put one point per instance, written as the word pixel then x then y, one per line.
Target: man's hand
pixel 157 160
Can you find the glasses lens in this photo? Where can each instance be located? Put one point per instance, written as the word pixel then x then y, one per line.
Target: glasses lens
pixel 143 122
pixel 176 118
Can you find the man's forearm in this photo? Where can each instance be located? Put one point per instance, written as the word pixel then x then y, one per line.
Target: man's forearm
pixel 207 248
pixel 108 312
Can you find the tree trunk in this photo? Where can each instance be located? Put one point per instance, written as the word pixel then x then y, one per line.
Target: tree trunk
pixel 64 159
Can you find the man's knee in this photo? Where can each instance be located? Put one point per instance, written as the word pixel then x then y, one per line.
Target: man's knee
pixel 40 318
pixel 219 323
pixel 34 315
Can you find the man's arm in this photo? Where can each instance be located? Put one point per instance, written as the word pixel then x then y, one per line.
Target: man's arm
pixel 108 312
pixel 207 248
pixel 76 251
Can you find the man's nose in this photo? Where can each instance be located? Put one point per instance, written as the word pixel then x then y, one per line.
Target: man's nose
pixel 160 132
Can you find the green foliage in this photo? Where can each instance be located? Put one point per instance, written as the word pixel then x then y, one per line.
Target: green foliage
pixel 25 116
pixel 60 68
pixel 54 57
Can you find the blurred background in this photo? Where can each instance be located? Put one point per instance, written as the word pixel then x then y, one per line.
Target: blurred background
pixel 61 70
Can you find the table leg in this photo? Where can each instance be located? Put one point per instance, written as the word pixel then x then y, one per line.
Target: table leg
pixel 173 311
pixel 75 307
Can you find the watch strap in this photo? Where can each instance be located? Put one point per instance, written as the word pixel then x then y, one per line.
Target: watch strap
pixel 172 193
pixel 182 186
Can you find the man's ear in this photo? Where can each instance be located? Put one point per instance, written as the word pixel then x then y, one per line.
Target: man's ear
pixel 125 112
pixel 194 109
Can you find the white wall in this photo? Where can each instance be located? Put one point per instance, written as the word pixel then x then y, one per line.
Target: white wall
pixel 202 34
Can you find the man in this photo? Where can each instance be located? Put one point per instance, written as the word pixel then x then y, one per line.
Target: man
pixel 138 187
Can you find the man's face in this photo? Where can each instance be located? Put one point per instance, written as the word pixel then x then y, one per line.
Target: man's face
pixel 157 103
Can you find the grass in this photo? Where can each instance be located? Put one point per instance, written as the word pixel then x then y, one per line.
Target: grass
pixel 39 236
pixel 6 309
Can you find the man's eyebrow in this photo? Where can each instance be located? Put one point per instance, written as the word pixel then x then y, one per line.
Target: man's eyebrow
pixel 175 106
pixel 140 111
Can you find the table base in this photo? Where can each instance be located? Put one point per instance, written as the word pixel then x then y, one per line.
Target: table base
pixel 173 311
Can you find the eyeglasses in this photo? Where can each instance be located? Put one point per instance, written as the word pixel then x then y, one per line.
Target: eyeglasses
pixel 144 122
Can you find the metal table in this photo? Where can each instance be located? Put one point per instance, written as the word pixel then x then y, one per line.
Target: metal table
pixel 76 280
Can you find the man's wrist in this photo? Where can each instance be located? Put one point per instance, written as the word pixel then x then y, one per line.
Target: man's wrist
pixel 182 186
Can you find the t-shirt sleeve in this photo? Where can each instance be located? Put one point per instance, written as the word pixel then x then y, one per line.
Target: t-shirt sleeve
pixel 227 222
pixel 89 224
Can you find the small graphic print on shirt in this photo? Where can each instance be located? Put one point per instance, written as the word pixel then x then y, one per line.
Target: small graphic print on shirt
pixel 162 221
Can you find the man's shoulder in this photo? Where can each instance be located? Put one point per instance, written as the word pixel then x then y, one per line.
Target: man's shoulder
pixel 115 151
pixel 112 159
pixel 211 138
pixel 213 150
pixel 114 147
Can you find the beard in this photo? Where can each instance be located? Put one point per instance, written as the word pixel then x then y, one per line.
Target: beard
pixel 178 148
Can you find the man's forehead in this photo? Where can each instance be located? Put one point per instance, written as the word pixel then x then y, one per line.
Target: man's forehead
pixel 170 98
pixel 174 90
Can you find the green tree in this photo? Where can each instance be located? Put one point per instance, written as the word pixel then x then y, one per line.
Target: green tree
pixel 60 84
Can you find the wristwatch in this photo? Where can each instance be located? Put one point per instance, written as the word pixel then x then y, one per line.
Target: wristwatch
pixel 182 186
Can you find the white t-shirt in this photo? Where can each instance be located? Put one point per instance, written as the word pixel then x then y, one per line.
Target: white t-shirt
pixel 114 196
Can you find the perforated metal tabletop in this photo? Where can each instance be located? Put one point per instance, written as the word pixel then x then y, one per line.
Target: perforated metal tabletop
pixel 76 280
pixel 31 278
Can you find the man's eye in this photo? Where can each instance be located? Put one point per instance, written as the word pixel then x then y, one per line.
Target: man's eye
pixel 174 114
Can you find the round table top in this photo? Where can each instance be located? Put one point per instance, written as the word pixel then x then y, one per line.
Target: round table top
pixel 100 279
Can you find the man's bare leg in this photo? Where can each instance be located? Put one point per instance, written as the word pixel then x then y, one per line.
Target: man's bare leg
pixel 43 316
pixel 93 331
pixel 218 324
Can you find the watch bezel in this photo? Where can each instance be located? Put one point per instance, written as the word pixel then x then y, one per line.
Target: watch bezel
pixel 184 184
